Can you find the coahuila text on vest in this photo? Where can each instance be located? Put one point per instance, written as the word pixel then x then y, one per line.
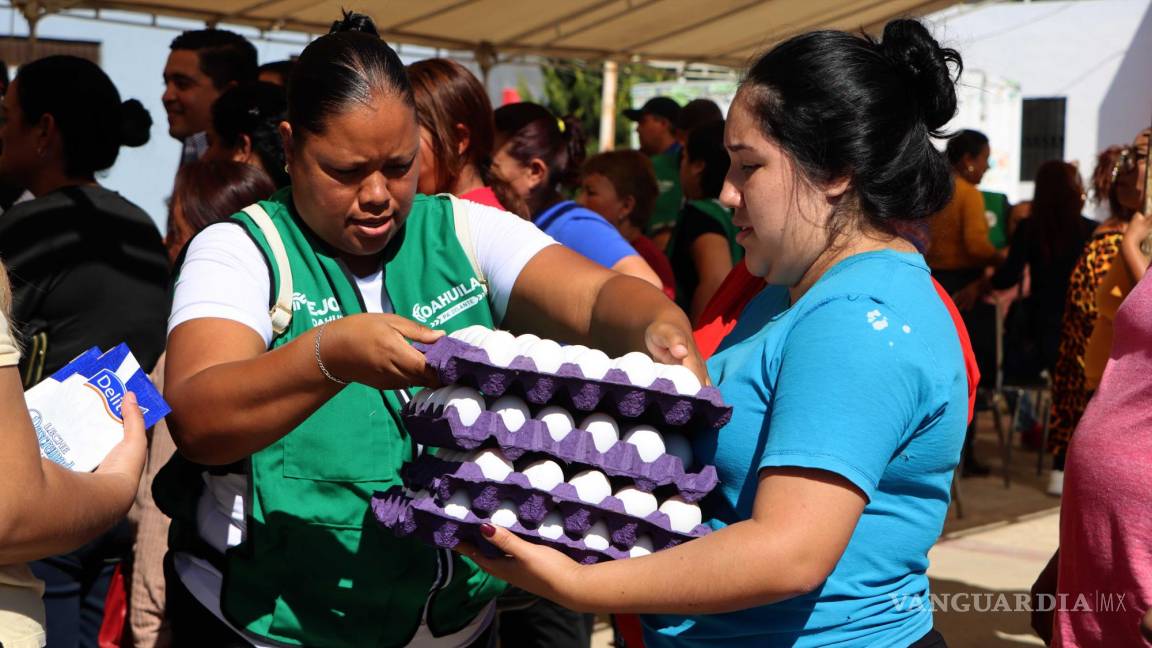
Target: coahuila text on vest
pixel 450 303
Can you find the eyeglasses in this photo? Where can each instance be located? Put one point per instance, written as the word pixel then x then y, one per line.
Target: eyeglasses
pixel 1126 163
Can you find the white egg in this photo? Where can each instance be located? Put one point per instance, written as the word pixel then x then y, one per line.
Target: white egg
pixel 685 381
pixel 591 486
pixel 438 399
pixel 639 367
pixel 420 401
pixel 643 547
pixel 649 444
pixel 524 342
pixel 552 527
pixel 467 402
pixel 505 515
pixel 474 335
pixel 597 536
pixel 605 433
pixel 678 445
pixel 500 347
pixel 573 351
pixel 512 410
pixel 544 474
pixel 459 505
pixel 594 363
pixel 637 503
pixel 547 355
pixel 682 516
pixel 493 464
pixel 558 421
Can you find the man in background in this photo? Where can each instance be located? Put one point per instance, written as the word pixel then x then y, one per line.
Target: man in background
pixel 202 64
pixel 656 124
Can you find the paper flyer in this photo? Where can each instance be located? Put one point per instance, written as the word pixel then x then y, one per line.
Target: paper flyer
pixel 76 411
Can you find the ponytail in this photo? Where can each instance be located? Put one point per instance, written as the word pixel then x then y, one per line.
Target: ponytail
pixel 576 147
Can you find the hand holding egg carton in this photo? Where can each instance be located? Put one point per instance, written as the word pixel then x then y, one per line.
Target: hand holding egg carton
pixel 567 481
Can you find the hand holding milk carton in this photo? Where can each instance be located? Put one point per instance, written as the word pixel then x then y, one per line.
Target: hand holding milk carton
pixel 76 411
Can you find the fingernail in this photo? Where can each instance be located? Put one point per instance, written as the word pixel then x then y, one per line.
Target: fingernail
pixel 487 530
pixel 130 397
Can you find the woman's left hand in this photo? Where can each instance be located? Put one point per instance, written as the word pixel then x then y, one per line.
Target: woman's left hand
pixel 672 344
pixel 538 569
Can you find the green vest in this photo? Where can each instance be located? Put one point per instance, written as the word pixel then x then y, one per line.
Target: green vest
pixel 315 568
pixel 666 211
pixel 723 216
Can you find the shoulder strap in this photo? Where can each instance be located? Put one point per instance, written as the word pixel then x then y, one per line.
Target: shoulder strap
pixel 281 311
pixel 464 234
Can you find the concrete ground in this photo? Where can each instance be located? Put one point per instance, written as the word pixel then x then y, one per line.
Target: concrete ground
pixel 998 546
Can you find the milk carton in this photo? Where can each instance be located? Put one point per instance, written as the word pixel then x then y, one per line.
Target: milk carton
pixel 76 411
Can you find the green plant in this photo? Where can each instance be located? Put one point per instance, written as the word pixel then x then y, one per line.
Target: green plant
pixel 574 88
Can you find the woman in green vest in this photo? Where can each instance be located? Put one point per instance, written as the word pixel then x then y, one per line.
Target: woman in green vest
pixel 704 247
pixel 287 420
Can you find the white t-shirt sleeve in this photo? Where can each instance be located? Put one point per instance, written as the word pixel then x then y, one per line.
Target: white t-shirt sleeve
pixel 504 244
pixel 224 276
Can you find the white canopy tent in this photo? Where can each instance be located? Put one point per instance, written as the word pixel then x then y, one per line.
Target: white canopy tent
pixel 721 32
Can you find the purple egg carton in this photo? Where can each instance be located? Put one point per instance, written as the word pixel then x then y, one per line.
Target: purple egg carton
pixel 424 519
pixel 456 361
pixel 444 478
pixel 621 460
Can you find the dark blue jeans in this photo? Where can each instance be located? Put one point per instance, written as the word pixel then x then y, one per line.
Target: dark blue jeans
pixel 75 585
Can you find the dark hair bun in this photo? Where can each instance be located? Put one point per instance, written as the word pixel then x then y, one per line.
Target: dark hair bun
pixel 135 124
pixel 920 58
pixel 354 22
pixel 845 106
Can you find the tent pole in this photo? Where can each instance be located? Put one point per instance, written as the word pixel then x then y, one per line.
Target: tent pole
pixel 608 107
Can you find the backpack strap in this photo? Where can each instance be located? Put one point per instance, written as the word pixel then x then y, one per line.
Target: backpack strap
pixel 281 311
pixel 464 234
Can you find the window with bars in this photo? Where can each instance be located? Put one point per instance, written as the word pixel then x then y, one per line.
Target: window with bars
pixel 1041 134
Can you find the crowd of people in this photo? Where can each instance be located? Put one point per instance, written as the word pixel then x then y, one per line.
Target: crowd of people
pixel 811 253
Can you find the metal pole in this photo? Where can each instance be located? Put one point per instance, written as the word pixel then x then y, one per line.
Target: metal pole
pixel 608 107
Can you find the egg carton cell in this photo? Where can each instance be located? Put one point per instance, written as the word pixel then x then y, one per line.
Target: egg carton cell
pixel 458 362
pixel 622 459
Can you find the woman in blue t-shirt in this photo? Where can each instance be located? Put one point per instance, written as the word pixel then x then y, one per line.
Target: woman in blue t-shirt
pixel 538 153
pixel 846 374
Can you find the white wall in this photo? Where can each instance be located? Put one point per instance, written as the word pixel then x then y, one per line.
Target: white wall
pixel 1097 53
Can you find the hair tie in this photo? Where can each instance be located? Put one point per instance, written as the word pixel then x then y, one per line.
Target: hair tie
pixel 560 124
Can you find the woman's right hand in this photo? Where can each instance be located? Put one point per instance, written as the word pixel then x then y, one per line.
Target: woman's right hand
pixel 374 349
pixel 1138 228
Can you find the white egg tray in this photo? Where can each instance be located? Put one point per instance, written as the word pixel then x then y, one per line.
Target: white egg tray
pixel 458 362
pixel 445 430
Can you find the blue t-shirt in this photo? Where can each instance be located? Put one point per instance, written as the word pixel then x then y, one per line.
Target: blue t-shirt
pixel 863 377
pixel 584 231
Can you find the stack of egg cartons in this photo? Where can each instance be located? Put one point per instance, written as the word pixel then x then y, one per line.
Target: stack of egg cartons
pixel 562 445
